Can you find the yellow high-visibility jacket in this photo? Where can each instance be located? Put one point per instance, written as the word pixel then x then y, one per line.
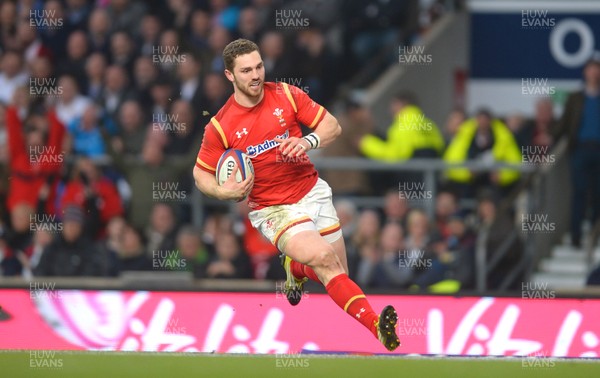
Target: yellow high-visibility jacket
pixel 505 150
pixel 410 131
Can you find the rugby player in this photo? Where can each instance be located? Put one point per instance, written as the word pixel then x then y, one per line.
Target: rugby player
pixel 291 205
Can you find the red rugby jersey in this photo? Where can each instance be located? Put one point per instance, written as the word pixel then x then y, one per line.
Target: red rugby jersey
pixel 277 179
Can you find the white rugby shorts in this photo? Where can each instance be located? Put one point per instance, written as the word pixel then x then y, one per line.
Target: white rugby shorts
pixel 314 211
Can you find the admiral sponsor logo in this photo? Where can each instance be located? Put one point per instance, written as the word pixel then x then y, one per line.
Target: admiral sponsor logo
pixel 255 150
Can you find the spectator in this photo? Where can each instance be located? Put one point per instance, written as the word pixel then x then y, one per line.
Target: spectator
pixel 496 235
pixel 125 15
pixel 452 259
pixel 8 26
pixel 579 123
pixel 380 267
pixel 162 229
pixel 150 29
pixel 218 38
pixel 71 254
pixel 122 51
pixel 263 254
pixel 183 135
pixel 116 90
pixel 395 207
pixel 417 254
pixel 537 134
pixel 71 104
pixel 99 25
pixel 144 74
pixel 89 189
pixel 130 140
pixel 35 156
pixel 30 43
pixel 515 123
pixel 54 37
pixel 488 140
pixel 357 119
pixel 446 206
pixel 149 169
pixel 11 76
pixel 42 237
pixel 248 24
pixel 191 250
pixel 225 14
pixel 87 132
pixel 364 240
pixel 459 253
pixel 161 93
pixel 74 62
pixel 216 93
pixel 265 10
pixel 214 225
pixel 367 229
pixel 95 68
pixel 112 243
pixel 319 73
pixel 371 26
pixel 188 75
pixel 199 30
pixel 278 66
pixel 411 135
pixel 347 214
pixel 42 81
pixel 230 260
pixel 77 13
pixel 132 253
pixel 181 10
pixel 168 54
pixel 18 239
pixel 453 121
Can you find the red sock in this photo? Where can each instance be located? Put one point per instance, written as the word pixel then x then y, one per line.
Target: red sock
pixel 300 271
pixel 351 298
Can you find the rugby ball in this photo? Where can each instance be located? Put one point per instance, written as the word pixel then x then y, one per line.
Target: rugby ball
pixel 227 163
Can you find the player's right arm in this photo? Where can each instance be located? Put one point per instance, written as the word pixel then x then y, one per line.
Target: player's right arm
pixel 231 190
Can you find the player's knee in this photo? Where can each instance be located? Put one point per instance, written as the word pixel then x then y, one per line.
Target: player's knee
pixel 326 259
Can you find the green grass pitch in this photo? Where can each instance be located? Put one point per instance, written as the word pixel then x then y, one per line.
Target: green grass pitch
pixel 167 365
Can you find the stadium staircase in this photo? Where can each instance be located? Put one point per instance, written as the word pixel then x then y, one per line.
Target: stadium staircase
pixel 566 268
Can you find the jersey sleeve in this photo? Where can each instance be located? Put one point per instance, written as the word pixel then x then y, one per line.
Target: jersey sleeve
pixel 308 111
pixel 211 150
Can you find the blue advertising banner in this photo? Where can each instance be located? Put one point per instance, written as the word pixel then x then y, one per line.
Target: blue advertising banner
pixel 526 42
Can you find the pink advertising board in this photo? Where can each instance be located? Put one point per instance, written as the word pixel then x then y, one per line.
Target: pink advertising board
pixel 266 323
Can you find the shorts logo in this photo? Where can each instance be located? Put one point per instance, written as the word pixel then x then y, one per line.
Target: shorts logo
pixel 253 151
pixel 278 112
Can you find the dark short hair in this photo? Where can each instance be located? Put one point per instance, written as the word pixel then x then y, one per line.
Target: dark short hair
pixel 236 48
pixel 484 112
pixel 406 97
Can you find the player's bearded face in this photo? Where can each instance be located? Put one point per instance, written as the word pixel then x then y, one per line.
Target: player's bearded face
pixel 249 74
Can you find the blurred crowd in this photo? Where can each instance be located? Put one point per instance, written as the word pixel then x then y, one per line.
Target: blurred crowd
pixel 102 109
pixel 449 254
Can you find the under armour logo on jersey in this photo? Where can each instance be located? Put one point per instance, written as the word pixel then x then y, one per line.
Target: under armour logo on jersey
pixel 240 133
pixel 278 112
pixel 361 311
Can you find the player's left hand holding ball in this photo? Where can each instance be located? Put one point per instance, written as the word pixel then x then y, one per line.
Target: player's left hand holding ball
pixel 234 190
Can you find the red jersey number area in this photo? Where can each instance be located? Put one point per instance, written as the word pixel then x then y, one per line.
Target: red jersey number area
pixel 278 179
